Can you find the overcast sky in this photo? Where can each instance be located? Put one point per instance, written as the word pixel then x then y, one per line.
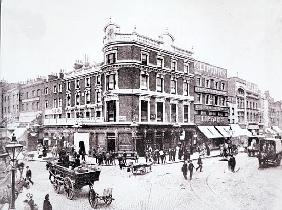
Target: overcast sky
pixel 244 36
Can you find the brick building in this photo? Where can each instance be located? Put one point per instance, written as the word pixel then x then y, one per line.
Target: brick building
pixel 245 104
pixel 211 110
pixel 141 95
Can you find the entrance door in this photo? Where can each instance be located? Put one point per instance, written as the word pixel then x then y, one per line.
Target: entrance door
pixel 81 147
pixel 111 144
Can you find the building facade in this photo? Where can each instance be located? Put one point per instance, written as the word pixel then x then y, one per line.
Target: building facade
pixel 141 95
pixel 245 104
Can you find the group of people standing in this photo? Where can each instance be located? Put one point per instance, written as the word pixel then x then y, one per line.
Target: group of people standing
pixel 190 167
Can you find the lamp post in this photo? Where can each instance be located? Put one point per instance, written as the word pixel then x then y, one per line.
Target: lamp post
pixel 13 149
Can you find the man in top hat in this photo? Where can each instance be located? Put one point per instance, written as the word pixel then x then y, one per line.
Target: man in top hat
pixel 28 175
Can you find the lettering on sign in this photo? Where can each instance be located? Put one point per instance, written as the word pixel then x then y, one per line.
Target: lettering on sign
pixel 211 108
pixel 205 90
pixel 203 118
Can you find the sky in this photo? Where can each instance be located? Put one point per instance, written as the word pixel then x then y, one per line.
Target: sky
pixel 40 37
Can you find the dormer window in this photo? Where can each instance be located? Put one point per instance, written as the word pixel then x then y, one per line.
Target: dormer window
pixel 173 65
pixel 111 58
pixel 144 59
pixel 160 62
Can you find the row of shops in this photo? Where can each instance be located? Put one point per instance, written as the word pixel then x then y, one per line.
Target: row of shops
pixel 140 137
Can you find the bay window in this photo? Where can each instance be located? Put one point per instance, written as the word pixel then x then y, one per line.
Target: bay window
pixel 111 82
pixel 111 58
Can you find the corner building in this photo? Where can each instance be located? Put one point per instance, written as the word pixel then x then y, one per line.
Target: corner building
pixel 147 84
pixel 141 95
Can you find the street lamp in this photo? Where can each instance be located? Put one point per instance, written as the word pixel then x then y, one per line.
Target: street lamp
pixel 13 149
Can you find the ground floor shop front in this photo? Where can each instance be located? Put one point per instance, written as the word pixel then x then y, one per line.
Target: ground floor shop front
pixel 117 138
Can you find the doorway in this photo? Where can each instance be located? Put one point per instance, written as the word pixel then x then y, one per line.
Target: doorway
pixel 111 142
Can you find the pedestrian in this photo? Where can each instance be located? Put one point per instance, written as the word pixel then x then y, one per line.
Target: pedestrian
pixel 173 154
pixel 46 204
pixel 147 155
pixel 157 155
pixel 184 169
pixel 208 150
pixel 26 205
pixel 124 158
pixel 30 201
pixel 232 162
pixel 28 174
pixel 200 164
pixel 120 162
pixel 162 156
pixel 191 167
pixel 169 154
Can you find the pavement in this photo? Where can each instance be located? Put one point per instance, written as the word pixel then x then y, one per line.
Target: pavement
pixel 194 156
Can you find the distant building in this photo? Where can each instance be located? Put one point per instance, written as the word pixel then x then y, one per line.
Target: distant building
pixel 244 103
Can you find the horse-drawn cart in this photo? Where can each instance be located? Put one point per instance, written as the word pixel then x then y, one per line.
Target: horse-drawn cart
pixel 72 181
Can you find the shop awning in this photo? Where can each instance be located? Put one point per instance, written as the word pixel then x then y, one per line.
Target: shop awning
pixel 224 130
pixel 238 131
pixel 253 127
pixel 270 131
pixel 210 132
pixel 277 129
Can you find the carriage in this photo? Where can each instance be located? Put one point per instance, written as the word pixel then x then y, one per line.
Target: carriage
pixel 140 169
pixel 270 152
pixel 71 181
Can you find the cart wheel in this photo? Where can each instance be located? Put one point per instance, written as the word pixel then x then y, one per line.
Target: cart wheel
pixel 56 186
pixel 68 187
pixel 108 199
pixel 92 198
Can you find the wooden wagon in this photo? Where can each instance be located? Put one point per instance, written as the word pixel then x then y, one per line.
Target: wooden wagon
pixel 73 180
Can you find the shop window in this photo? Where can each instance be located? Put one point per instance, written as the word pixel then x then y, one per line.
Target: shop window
pixel 144 111
pixel 160 110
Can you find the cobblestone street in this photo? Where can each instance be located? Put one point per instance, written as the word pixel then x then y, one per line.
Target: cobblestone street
pixel 165 187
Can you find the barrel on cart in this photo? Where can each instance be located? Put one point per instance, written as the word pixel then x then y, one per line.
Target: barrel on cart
pixel 71 181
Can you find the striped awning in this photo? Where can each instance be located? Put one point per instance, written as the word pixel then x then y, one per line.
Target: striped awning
pixel 224 131
pixel 210 132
